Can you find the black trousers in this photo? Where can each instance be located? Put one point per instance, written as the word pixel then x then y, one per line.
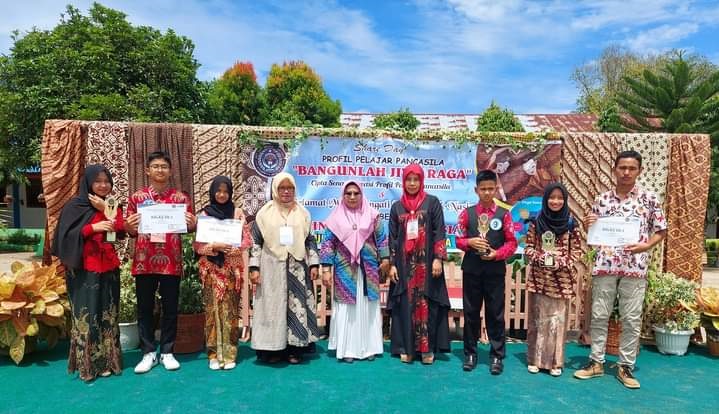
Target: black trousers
pixel 145 287
pixel 487 287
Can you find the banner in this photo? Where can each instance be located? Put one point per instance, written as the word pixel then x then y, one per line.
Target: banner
pixel 322 166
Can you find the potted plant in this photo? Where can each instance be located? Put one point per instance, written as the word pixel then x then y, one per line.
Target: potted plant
pixel 711 251
pixel 129 334
pixel 33 306
pixel 673 322
pixel 707 305
pixel 191 312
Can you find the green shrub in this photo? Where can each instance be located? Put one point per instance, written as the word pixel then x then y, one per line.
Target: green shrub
pixel 190 285
pixel 711 245
pixel 21 237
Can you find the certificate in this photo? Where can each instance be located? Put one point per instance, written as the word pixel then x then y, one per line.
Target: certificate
pixel 614 231
pixel 212 230
pixel 162 218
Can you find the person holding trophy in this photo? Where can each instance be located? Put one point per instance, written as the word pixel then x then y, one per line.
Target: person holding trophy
pixel 88 225
pixel 553 246
pixel 485 233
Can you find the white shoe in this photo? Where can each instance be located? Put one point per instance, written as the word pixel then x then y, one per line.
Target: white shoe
pixel 169 362
pixel 532 369
pixel 214 364
pixel 149 360
pixel 229 366
pixel 555 372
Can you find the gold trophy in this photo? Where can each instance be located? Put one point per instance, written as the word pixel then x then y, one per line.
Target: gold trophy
pixel 549 246
pixel 483 229
pixel 110 214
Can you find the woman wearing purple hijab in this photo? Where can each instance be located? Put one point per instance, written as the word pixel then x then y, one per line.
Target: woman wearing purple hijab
pixel 354 249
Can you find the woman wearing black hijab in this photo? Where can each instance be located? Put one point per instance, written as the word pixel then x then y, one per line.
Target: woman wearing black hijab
pixel 221 267
pixel 552 248
pixel 92 276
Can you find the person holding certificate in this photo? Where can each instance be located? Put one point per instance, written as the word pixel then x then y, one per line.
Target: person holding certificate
pixel 157 258
pixel 620 270
pixel 221 267
pixel 354 252
pixel 92 275
pixel 485 232
pixel 553 246
pixel 417 296
pixel 283 263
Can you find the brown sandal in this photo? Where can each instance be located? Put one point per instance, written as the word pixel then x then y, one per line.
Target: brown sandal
pixel 428 359
pixel 294 359
pixel 405 358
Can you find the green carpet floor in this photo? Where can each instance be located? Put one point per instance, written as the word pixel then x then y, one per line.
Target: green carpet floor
pixel 669 384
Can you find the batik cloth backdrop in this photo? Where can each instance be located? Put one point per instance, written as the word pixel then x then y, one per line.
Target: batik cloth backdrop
pixel 216 151
pixel 690 160
pixel 175 139
pixel 587 171
pixel 654 149
pixel 107 145
pixel 522 175
pixel 63 164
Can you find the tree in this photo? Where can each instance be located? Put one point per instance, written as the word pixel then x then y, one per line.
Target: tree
pixel 610 120
pixel 680 97
pixel 600 81
pixel 94 67
pixel 496 119
pixel 401 120
pixel 236 97
pixel 295 96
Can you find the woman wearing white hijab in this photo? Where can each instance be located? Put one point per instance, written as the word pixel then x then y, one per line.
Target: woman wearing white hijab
pixel 283 263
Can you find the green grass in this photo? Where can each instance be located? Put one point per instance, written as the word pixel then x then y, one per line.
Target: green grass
pixel 669 384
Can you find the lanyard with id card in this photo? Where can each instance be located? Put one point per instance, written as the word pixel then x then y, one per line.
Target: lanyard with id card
pixel 286 236
pixel 412 229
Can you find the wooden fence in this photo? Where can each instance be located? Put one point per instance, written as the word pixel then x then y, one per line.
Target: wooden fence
pixel 515 302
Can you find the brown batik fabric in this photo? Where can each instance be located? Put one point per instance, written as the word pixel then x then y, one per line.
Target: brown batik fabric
pixel 175 139
pixel 107 145
pixel 687 204
pixel 216 151
pixel 63 164
pixel 654 149
pixel 587 171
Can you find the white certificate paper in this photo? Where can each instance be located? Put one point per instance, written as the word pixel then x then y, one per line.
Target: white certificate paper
pixel 162 218
pixel 212 230
pixel 614 231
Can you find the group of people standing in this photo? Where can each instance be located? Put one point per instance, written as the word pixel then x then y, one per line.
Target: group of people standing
pixel 357 254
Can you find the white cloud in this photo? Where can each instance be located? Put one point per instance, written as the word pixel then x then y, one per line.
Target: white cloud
pixel 661 38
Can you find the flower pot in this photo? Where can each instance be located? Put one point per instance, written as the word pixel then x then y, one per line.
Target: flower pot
pixel 713 345
pixel 129 336
pixel 190 333
pixel 672 342
pixel 614 332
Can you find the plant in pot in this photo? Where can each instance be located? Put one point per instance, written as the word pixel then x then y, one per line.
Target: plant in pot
pixel 129 335
pixel 707 305
pixel 191 312
pixel 33 307
pixel 673 322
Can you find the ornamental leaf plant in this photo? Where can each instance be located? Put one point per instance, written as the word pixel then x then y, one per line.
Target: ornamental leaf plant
pixel 33 305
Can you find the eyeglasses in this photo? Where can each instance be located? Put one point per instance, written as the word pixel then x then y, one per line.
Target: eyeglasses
pixel 352 193
pixel 286 189
pixel 159 167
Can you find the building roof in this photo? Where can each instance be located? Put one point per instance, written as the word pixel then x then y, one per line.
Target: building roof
pixel 455 122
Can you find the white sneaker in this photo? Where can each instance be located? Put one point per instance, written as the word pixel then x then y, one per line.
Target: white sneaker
pixel 148 361
pixel 169 362
pixel 214 364
pixel 229 366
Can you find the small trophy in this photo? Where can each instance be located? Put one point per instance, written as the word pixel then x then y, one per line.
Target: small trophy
pixel 483 229
pixel 549 247
pixel 110 214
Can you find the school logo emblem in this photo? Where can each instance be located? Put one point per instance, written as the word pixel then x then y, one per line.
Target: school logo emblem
pixel 269 160
pixel 495 224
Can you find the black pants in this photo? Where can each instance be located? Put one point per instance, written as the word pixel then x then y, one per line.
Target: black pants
pixel 486 287
pixel 145 287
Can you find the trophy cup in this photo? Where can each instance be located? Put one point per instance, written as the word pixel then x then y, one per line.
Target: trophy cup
pixel 483 229
pixel 549 247
pixel 110 214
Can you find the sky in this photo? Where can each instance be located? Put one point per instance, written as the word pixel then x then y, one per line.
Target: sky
pixel 431 56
